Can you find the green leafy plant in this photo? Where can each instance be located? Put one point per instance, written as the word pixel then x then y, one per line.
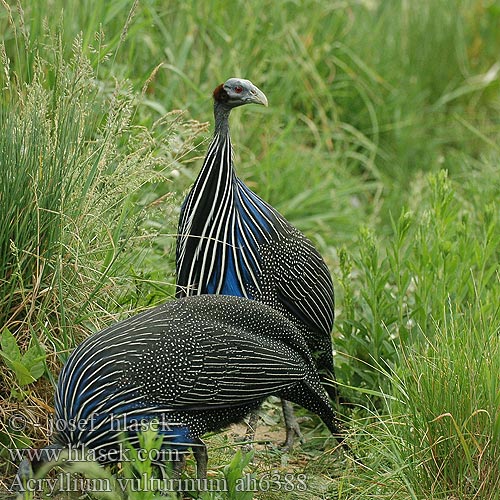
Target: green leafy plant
pixel 234 474
pixel 27 367
pixel 138 472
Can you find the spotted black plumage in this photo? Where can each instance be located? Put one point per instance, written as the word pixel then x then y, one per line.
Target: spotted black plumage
pixel 195 364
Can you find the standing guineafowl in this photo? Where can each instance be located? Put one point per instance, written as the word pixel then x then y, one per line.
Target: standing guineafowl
pixel 231 242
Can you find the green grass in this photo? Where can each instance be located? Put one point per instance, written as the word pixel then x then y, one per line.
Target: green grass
pixel 421 326
pixel 380 143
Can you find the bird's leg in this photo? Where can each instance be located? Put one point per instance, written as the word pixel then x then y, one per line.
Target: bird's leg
pixel 201 457
pixel 178 465
pixel 251 428
pixel 33 460
pixel 24 474
pixel 291 425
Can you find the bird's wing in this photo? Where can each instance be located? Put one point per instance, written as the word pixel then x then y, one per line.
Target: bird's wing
pixel 308 293
pixel 216 370
pixel 289 265
pixel 195 352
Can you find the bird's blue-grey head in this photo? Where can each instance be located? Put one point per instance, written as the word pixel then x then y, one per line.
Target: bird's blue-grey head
pixel 236 92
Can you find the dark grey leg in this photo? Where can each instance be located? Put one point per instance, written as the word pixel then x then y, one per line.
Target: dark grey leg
pixel 53 453
pixel 178 465
pixel 291 425
pixel 201 456
pixel 24 473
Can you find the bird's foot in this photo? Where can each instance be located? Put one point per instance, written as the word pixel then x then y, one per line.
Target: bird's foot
pixel 292 427
pixel 245 442
pixel 292 431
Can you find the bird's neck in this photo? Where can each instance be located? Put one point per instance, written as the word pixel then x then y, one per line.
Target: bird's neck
pixel 217 170
pixel 221 115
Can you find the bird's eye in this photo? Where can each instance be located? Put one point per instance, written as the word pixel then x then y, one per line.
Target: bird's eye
pixel 238 89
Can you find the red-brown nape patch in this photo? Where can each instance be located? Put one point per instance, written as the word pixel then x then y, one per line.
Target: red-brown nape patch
pixel 220 95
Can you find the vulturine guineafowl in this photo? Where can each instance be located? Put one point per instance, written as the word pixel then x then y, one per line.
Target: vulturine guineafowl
pixel 232 242
pixel 195 364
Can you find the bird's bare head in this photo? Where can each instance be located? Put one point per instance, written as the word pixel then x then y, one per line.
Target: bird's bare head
pixel 237 91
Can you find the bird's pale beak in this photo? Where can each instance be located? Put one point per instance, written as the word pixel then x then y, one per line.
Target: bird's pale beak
pixel 258 97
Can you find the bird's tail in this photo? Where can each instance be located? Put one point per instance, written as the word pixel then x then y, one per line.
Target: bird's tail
pixel 329 383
